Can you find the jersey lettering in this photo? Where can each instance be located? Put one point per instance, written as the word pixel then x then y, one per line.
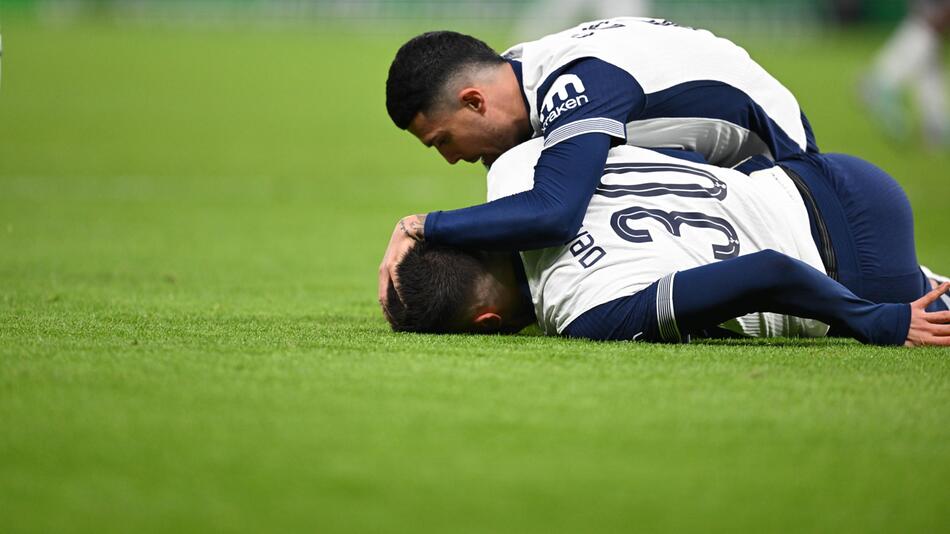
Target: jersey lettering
pixel 673 222
pixel 589 30
pixel 551 109
pixel 583 248
pixel 663 22
pixel 717 190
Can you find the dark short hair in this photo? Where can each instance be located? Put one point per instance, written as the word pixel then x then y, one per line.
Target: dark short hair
pixel 436 286
pixel 423 66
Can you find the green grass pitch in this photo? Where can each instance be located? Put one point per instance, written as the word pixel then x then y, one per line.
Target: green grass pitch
pixel 190 226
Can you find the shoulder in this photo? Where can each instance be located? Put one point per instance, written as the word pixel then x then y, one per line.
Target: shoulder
pixel 550 53
pixel 513 172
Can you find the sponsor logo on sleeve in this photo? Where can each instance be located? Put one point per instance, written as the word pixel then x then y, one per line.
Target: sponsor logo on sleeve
pixel 565 94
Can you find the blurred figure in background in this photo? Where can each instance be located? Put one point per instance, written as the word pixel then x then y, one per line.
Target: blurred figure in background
pixel 544 16
pixel 847 12
pixel 911 59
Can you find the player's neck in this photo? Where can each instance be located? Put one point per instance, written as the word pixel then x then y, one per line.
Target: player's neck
pixel 505 291
pixel 513 101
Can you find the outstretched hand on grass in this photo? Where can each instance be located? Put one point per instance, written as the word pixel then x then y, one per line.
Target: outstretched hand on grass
pixel 408 231
pixel 929 328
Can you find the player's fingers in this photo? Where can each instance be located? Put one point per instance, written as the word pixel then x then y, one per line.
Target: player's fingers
pixel 939 330
pixel 941 317
pixel 381 297
pixel 925 339
pixel 384 282
pixel 394 276
pixel 932 296
pixel 394 279
pixel 399 246
pixel 386 267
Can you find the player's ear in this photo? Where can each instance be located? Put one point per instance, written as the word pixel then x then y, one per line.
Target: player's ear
pixel 487 322
pixel 472 98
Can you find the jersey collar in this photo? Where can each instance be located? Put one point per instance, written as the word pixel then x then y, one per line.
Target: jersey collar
pixel 516 66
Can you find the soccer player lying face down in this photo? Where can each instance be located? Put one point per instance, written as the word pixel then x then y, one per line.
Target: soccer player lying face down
pixel 444 290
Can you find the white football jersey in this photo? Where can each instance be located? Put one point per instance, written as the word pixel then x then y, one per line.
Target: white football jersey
pixel 653 215
pixel 687 76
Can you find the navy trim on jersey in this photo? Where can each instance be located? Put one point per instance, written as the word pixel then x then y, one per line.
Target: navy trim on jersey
pixel 710 99
pixel 812 147
pixel 665 314
pixel 610 127
pixel 517 67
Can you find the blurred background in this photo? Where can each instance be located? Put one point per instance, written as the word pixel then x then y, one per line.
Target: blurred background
pixel 756 15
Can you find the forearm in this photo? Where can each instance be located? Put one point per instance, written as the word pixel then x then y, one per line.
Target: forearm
pixel 768 281
pixel 565 179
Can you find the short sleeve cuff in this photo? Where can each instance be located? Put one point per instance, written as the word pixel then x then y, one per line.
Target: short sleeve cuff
pixel 902 316
pixel 610 127
pixel 665 315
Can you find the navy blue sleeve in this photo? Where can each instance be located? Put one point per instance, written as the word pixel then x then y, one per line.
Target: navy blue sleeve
pixel 630 318
pixel 584 108
pixel 693 301
pixel 545 216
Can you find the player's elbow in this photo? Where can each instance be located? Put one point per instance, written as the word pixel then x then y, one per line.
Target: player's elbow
pixel 775 266
pixel 773 259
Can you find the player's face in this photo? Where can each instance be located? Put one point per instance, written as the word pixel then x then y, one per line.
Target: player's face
pixel 462 134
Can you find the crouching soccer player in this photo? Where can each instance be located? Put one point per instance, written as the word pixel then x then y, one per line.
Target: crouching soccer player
pixel 670 249
pixel 641 82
